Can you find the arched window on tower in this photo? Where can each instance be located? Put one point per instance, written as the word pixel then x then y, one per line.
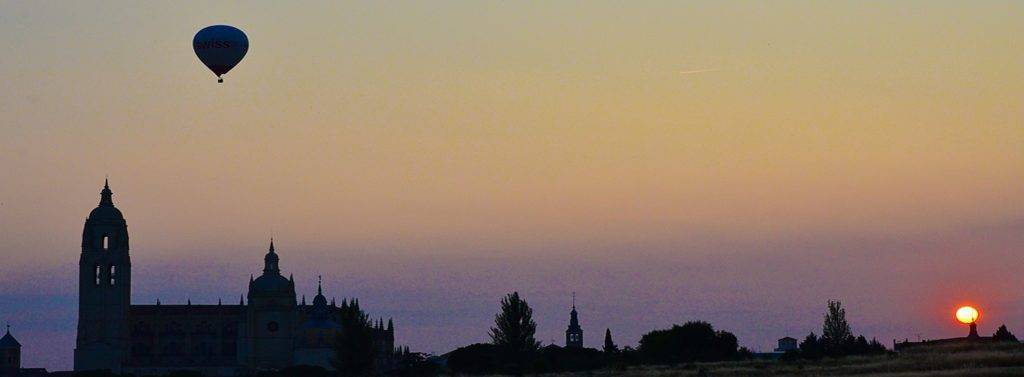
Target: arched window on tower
pixel 113 275
pixel 97 275
pixel 106 242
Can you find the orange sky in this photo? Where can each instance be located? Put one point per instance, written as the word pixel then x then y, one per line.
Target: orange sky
pixel 623 137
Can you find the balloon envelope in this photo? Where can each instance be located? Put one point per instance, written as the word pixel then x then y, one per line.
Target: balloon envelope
pixel 220 47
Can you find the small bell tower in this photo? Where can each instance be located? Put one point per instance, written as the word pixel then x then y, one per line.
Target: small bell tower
pixel 574 334
pixel 10 354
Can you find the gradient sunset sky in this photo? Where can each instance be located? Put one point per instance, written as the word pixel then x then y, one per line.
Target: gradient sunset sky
pixel 734 162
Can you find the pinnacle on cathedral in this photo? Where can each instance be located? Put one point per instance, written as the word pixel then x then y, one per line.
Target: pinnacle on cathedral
pixel 270 262
pixel 106 196
pixel 319 300
pixel 320 315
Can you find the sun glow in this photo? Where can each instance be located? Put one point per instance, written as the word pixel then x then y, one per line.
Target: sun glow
pixel 967 315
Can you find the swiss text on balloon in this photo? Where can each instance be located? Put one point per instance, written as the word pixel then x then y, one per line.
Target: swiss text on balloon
pixel 212 44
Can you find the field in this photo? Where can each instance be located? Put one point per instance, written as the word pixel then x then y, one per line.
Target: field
pixel 1005 359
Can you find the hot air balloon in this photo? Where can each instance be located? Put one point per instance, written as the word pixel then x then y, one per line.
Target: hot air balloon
pixel 220 47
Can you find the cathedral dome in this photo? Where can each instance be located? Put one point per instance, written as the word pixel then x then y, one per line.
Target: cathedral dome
pixel 105 213
pixel 320 301
pixel 106 210
pixel 271 283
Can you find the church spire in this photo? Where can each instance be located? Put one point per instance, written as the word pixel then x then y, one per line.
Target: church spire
pixel 319 300
pixel 574 333
pixel 270 262
pixel 574 321
pixel 106 196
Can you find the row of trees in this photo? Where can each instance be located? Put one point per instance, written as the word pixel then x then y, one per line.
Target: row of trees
pixel 514 348
pixel 357 355
pixel 836 339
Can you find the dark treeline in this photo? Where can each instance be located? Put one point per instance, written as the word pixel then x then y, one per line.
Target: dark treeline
pixel 357 355
pixel 1003 335
pixel 836 340
pixel 515 350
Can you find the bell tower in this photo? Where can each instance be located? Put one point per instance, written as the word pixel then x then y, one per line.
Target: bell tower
pixel 104 289
pixel 574 334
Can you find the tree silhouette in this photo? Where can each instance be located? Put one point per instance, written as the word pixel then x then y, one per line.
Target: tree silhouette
pixel 513 332
pixel 609 346
pixel 355 354
pixel 514 327
pixel 693 341
pixel 835 332
pixel 836 339
pixel 555 359
pixel 1003 335
pixel 480 358
pixel 811 348
pixel 414 364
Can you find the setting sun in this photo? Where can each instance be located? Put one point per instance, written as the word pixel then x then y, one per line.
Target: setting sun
pixel 967 315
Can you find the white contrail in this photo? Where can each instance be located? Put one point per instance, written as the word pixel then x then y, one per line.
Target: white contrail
pixel 699 71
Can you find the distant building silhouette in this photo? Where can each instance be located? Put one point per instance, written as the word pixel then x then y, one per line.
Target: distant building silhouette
pixel 574 334
pixel 271 331
pixel 972 337
pixel 10 359
pixel 10 355
pixel 786 344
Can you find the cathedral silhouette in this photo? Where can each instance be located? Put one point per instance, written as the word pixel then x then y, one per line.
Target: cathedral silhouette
pixel 268 329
